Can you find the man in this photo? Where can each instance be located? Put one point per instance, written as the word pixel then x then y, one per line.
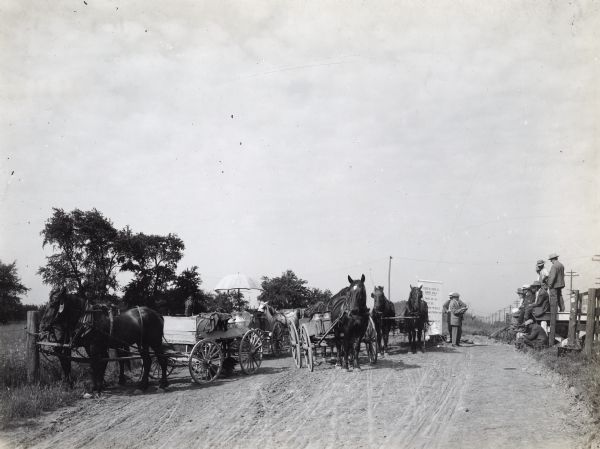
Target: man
pixel 457 310
pixel 535 337
pixel 527 299
pixel 556 282
pixel 446 310
pixel 540 270
pixel 541 306
pixel 189 306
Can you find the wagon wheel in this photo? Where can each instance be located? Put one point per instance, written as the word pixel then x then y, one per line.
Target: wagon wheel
pixel 370 340
pixel 206 361
pixel 251 352
pixel 295 344
pixel 155 371
pixel 277 339
pixel 307 347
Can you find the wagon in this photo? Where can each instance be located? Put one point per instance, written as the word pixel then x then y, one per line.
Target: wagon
pixel 273 332
pixel 204 342
pixel 316 333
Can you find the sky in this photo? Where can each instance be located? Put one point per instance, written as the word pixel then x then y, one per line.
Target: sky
pixel 459 138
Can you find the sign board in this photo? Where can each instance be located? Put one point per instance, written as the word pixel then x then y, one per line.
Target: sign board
pixel 432 293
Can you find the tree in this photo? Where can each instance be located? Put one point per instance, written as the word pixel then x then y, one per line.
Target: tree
pixel 153 261
pixel 186 284
pixel 224 302
pixel 87 253
pixel 290 292
pixel 11 289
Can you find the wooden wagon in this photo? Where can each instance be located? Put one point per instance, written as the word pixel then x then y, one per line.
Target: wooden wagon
pixel 205 342
pixel 317 333
pixel 273 332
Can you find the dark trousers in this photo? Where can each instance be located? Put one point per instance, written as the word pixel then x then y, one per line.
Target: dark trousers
pixel 456 334
pixel 556 299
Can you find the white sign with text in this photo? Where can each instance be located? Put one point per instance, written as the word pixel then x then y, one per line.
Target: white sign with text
pixel 432 293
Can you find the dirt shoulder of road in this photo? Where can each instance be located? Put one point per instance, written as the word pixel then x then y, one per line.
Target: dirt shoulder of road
pixel 480 395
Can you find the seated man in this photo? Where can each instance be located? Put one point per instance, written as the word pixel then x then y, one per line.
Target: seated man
pixel 540 305
pixel 535 337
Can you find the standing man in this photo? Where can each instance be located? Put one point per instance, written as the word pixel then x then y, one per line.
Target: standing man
pixel 540 270
pixel 189 306
pixel 446 310
pixel 556 282
pixel 457 310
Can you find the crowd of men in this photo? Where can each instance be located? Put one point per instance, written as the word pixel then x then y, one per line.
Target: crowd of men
pixel 537 300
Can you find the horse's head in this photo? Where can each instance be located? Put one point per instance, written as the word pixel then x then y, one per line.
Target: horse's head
pixel 357 295
pixel 263 307
pixel 379 298
pixel 414 298
pixel 62 312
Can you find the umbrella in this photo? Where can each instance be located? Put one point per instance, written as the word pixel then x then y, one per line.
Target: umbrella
pixel 237 282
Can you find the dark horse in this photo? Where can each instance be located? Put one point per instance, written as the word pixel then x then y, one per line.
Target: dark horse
pixel 95 329
pixel 349 311
pixel 382 308
pixel 417 312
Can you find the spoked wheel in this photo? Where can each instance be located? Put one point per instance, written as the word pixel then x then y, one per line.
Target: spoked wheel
pixel 251 352
pixel 206 361
pixel 277 339
pixel 370 340
pixel 155 370
pixel 307 347
pixel 295 344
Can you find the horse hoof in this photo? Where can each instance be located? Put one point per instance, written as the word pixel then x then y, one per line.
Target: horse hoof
pixel 87 396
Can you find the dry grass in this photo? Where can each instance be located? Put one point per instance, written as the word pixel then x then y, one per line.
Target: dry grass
pixel 17 399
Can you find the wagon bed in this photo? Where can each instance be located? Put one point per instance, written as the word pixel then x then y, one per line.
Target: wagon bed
pixel 205 349
pixel 317 332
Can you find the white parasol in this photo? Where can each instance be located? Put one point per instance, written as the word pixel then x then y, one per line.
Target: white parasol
pixel 237 282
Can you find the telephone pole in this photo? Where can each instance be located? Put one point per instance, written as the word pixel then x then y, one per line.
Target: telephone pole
pixel 389 277
pixel 571 274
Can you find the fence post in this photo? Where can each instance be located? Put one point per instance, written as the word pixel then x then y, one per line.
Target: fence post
pixel 590 321
pixel 551 335
pixel 33 355
pixel 573 318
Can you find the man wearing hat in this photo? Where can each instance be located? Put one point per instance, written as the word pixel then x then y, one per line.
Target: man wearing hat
pixel 535 337
pixel 556 282
pixel 540 270
pixel 527 299
pixel 457 310
pixel 446 310
pixel 540 306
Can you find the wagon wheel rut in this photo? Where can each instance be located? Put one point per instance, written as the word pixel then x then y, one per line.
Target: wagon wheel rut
pixel 404 401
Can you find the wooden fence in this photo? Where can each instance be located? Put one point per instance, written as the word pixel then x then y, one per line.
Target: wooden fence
pixel 586 304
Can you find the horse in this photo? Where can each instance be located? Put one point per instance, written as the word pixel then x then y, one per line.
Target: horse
pixel 58 322
pixel 271 314
pixel 418 314
pixel 382 308
pixel 95 329
pixel 349 311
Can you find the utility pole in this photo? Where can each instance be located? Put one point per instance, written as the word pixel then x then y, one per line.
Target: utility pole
pixel 389 277
pixel 571 274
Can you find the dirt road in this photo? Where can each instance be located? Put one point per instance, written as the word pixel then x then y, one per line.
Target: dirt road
pixel 477 396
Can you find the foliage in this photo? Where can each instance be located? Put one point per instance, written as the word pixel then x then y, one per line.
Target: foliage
pixel 290 292
pixel 224 302
pixel 581 373
pixel 11 289
pixel 87 253
pixel 153 261
pixel 18 400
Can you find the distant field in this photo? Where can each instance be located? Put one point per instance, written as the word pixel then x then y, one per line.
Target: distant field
pixel 12 341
